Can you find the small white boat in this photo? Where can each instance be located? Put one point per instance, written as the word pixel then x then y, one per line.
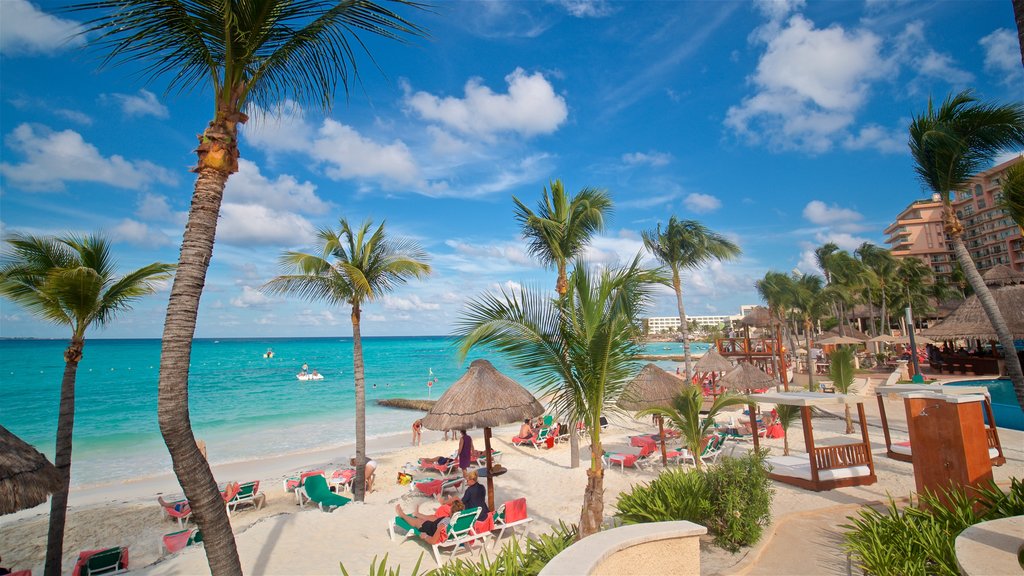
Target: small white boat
pixel 305 377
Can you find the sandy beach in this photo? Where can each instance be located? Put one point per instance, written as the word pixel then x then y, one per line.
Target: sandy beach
pixel 283 538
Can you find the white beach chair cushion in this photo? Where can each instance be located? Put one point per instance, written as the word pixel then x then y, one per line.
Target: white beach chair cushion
pixel 900 448
pixel 800 467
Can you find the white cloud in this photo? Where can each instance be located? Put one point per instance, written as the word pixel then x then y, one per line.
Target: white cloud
pixel 1002 56
pixel 51 158
pixel 817 212
pixel 155 207
pixel 512 252
pixel 280 129
pixel 878 138
pixel 351 155
pixel 249 186
pixel 1006 157
pixel 614 250
pixel 250 298
pixel 254 225
pixel 25 29
pixel 445 144
pixel 586 8
pixel 649 158
pixel 530 107
pixel 74 116
pixel 913 51
pixel 701 203
pixel 142 104
pixel 412 303
pixel 810 82
pixel 137 233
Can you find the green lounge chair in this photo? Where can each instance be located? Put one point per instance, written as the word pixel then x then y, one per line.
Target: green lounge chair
pixel 459 531
pixel 248 493
pixel 399 522
pixel 109 561
pixel 316 490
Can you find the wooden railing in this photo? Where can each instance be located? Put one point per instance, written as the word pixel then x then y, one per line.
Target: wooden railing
pixel 991 435
pixel 841 456
pixel 736 346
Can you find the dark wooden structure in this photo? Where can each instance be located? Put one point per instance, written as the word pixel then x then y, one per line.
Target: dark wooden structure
pixel 824 467
pixel 952 445
pixel 903 452
pixel 962 364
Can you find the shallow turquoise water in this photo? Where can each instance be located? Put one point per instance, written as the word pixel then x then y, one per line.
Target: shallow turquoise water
pixel 1005 409
pixel 243 405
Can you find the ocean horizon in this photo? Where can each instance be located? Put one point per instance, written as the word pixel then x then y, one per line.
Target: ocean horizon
pixel 244 406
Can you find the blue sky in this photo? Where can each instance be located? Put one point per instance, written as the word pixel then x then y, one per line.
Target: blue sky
pixel 779 124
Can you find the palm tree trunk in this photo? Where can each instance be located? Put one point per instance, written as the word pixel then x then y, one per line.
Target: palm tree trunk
pixel 886 325
pixel 561 287
pixel 592 514
pixel 1018 15
pixel 995 316
pixel 62 458
pixel 785 441
pixel 192 470
pixel 359 482
pixel 849 420
pixel 677 285
pixel 810 365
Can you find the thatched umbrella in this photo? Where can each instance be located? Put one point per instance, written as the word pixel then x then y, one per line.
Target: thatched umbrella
pixel 746 377
pixel 883 338
pixel 758 317
pixel 969 320
pixel 651 388
pixel 713 363
pixel 482 398
pixel 26 476
pixel 918 339
pixel 836 340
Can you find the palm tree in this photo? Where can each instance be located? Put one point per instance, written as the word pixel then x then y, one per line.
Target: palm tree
pixel 578 349
pixel 687 244
pixel 351 267
pixel 70 281
pixel 918 286
pixel 776 289
pixel 260 52
pixel 1013 193
pixel 950 144
pixel 883 267
pixel 685 415
pixel 787 414
pixel 811 302
pixel 559 231
pixel 841 370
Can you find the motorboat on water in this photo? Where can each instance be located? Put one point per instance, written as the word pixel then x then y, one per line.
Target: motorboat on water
pixel 314 376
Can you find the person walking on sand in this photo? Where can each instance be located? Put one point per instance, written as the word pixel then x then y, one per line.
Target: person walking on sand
pixel 417 432
pixel 465 451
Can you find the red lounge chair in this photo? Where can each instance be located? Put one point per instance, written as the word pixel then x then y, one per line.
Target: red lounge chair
pixel 179 510
pixel 444 469
pixel 103 561
pixel 179 540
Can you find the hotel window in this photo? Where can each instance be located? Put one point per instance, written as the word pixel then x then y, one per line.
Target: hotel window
pixel 981 203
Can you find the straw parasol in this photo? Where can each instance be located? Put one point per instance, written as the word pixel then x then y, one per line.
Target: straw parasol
pixel 918 339
pixel 482 398
pixel 26 476
pixel 834 340
pixel 969 320
pixel 712 361
pixel 883 338
pixel 746 377
pixel 759 316
pixel 651 388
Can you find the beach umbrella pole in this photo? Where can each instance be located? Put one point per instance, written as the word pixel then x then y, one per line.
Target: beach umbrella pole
pixel 661 434
pixel 490 475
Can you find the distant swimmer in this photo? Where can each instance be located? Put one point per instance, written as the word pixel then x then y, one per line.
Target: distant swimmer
pixel 269 353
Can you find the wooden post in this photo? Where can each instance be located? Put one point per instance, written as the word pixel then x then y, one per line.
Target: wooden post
pixel 661 433
pixel 885 423
pixel 864 435
pixel 782 358
pixel 490 474
pixel 805 418
pixel 1000 459
pixel 753 426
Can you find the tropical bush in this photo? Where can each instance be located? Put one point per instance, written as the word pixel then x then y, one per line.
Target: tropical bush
pixel 919 539
pixel 732 499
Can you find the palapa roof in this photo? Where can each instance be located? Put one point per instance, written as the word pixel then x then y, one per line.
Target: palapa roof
pixel 712 361
pixel 834 340
pixel 969 320
pixel 482 398
pixel 850 333
pixel 26 476
pixel 746 377
pixel 758 316
pixel 885 338
pixel 651 387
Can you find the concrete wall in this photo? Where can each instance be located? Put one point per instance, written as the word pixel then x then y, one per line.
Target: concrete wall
pixel 632 549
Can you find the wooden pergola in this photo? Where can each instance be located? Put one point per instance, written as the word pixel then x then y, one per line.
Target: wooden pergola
pixel 824 467
pixel 902 451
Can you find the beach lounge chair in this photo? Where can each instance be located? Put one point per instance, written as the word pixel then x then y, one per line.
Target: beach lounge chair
pixel 435 487
pixel 248 493
pixel 444 469
pixel 341 479
pixel 315 489
pixel 178 510
pixel 103 561
pixel 508 516
pixel 629 460
pixel 293 483
pixel 537 441
pixel 458 532
pixel 179 540
pixel 481 459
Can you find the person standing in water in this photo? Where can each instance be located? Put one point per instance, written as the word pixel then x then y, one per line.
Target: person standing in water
pixel 417 432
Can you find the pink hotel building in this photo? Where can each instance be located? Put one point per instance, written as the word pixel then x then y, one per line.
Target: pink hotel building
pixel 990 234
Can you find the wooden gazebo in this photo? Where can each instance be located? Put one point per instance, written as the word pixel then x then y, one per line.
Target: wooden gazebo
pixel 824 467
pixel 901 450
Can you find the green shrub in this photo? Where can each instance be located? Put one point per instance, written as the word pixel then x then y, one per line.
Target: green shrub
pixel 740 495
pixel 382 569
pixel 919 539
pixel 675 494
pixel 516 558
pixel 733 500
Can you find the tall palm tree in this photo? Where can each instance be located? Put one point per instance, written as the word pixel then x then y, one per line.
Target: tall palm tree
pixel 1013 193
pixel 810 301
pixel 260 52
pixel 685 415
pixel 950 144
pixel 918 286
pixel 351 267
pixel 883 267
pixel 558 232
pixel 776 289
pixel 687 245
pixel 579 351
pixel 70 281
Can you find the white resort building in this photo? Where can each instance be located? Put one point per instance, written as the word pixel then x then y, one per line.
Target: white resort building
pixel 663 324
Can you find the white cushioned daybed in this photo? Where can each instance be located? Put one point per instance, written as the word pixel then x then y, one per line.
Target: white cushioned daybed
pixel 800 467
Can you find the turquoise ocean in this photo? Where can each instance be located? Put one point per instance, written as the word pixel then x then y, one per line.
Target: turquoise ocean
pixel 243 405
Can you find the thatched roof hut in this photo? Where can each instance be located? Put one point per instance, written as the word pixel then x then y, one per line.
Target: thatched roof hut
pixel 651 387
pixel 482 398
pixel 712 361
pixel 969 320
pixel 26 476
pixel 746 377
pixel 758 317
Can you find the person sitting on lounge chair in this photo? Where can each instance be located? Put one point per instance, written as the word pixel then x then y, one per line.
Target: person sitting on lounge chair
pixel 475 495
pixel 442 460
pixel 429 527
pixel 526 431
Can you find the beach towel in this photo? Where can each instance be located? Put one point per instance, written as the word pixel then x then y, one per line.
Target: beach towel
pixel 431 488
pixel 515 510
